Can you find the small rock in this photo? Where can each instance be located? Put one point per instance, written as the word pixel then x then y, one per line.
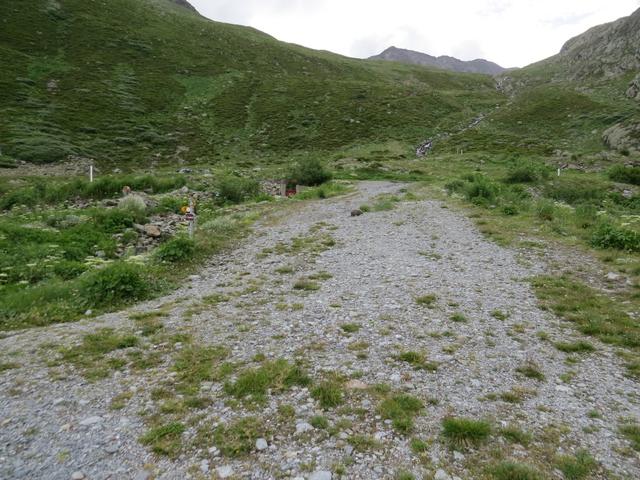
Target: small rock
pixel 441 475
pixel 90 421
pixel 225 471
pixel 320 475
pixel 143 475
pixel 77 476
pixel 356 213
pixel 111 448
pixel 303 427
pixel 348 450
pixel 458 457
pixel 88 313
pixel 356 385
pixel 261 444
pixel 152 231
pixel 612 276
pixel 204 466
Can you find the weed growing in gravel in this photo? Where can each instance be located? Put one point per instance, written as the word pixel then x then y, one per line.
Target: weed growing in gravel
pixel 401 410
pixel 329 393
pixel 516 395
pixel 417 360
pixel 458 318
pixel 350 327
pixel 8 366
pixel 531 370
pixel 278 376
pixel 306 285
pixel 285 270
pixel 632 433
pixel 576 467
pixel 465 432
pixel 239 437
pixel 426 300
pixel 499 315
pixel 320 422
pixel 321 276
pixel 404 475
pixel 515 435
pixel 575 347
pixel 120 401
pixel 165 439
pixel 89 356
pixel 418 446
pixel 363 443
pixel 196 364
pixel 515 471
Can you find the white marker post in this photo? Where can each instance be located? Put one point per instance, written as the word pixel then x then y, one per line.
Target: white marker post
pixel 91 173
pixel 191 217
pixel 559 172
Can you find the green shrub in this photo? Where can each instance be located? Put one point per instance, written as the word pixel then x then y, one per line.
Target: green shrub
pixel 134 204
pixel 115 219
pixel 545 210
pixel 234 189
pixel 178 249
pixel 576 467
pixel 310 172
pixel 573 190
pixel 526 172
pixel 68 269
pixel 608 235
pixel 481 190
pixel 623 174
pixel 114 284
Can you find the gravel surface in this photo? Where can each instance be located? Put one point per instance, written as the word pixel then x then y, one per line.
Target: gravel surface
pixel 56 424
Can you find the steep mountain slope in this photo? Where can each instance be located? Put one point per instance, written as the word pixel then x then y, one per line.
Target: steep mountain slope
pixel 412 57
pixel 582 100
pixel 151 80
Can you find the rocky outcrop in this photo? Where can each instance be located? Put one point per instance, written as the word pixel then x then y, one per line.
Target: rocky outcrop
pixel 634 88
pixel 623 136
pixel 607 50
pixel 401 55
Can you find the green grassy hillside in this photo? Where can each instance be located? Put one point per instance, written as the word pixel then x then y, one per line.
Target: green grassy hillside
pixel 140 80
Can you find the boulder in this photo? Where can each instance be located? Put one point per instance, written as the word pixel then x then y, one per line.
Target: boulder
pixel 634 88
pixel 152 231
pixel 356 213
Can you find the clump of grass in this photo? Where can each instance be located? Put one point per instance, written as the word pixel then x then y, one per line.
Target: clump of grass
pixel 458 318
pixel 165 439
pixel 465 432
pixel 89 355
pixel 418 446
pixel 120 401
pixel 426 300
pixel 362 443
pixel 277 376
pixel 8 366
pixel 579 346
pixel 196 364
pixel 418 360
pixel 516 395
pixel 576 467
pixel 114 284
pixel 401 409
pixel 499 315
pixel 531 370
pixel 238 438
pixel 175 250
pixel 350 327
pixel 632 433
pixel 329 393
pixel 515 471
pixel 306 285
pixel 515 435
pixel 404 475
pixel 286 270
pixel 320 422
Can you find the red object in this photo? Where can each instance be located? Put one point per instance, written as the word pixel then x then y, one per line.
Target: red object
pixel 290 193
pixel 190 216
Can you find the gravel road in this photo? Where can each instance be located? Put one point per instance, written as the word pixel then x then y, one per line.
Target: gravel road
pixel 480 324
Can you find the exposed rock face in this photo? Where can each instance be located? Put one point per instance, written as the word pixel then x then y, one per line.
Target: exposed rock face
pixel 607 50
pixel 634 88
pixel 447 63
pixel 621 136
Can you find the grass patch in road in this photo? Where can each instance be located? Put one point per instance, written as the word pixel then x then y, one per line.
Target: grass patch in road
pixel 576 467
pixel 531 370
pixel 579 346
pixel 632 433
pixel 401 409
pixel 306 285
pixel 510 470
pixel 238 438
pixel 329 393
pixel 165 439
pixel 515 435
pixel 465 432
pixel 196 364
pixel 418 360
pixel 426 300
pixel 276 376
pixel 350 327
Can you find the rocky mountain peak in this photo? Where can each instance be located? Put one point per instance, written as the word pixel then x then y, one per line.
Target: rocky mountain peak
pixel 395 54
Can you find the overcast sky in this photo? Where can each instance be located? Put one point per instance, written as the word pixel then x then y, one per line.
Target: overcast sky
pixel 513 33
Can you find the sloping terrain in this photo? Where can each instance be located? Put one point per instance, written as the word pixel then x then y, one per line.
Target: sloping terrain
pixel 412 57
pixel 391 323
pixel 122 81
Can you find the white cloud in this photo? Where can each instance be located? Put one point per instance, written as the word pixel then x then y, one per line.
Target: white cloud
pixel 509 32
